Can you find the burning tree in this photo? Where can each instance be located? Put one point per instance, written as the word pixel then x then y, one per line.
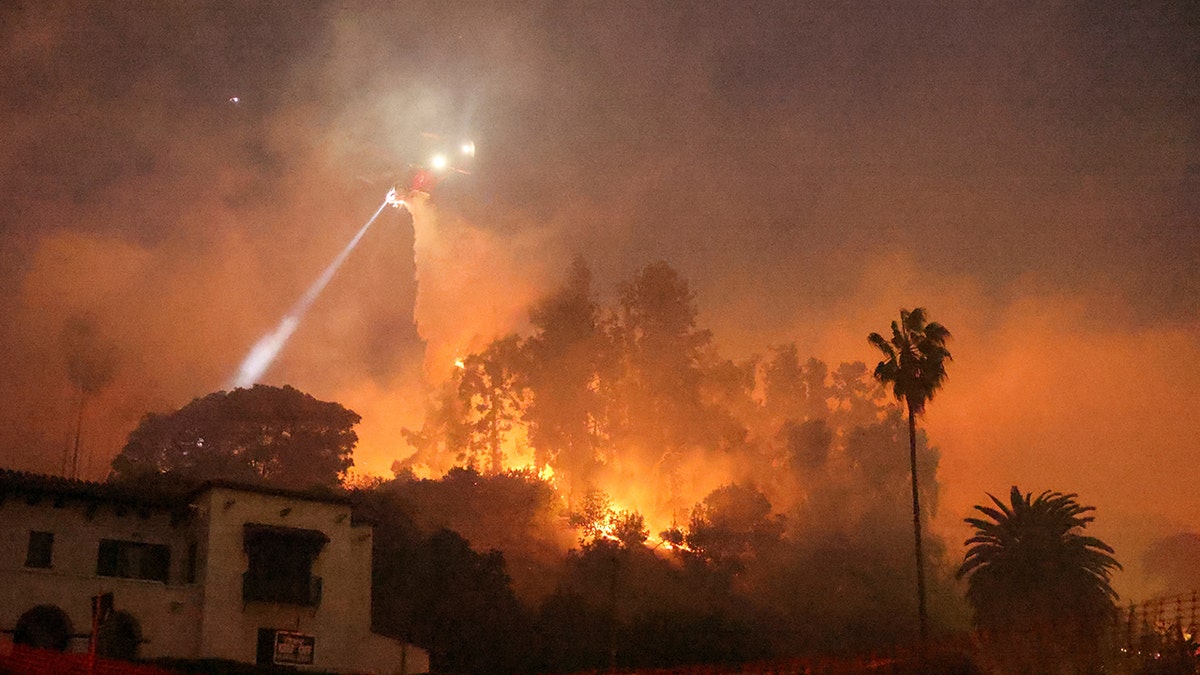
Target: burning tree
pixel 598 520
pixel 629 404
pixel 657 397
pixel 491 391
pixel 569 356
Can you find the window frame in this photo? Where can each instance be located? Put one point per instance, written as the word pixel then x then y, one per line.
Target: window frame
pixel 114 557
pixel 280 563
pixel 41 555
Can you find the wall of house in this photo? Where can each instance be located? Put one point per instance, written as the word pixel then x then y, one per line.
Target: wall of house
pixel 168 614
pixel 341 623
pixel 207 618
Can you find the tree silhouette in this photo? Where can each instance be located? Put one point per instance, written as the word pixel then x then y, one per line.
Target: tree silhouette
pixel 271 435
pixel 91 366
pixel 914 364
pixel 854 393
pixel 1038 586
pixel 567 357
pixel 515 512
pixel 732 525
pixel 597 520
pixel 445 597
pixel 657 405
pixel 493 399
pixel 444 433
pixel 784 392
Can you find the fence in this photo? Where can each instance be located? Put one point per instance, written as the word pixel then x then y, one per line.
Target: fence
pixel 1155 637
pixel 1159 636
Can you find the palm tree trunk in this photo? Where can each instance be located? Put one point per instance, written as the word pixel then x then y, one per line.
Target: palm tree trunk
pixel 916 500
pixel 74 468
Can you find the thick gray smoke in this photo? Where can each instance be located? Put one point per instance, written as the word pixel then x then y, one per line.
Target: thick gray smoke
pixel 810 168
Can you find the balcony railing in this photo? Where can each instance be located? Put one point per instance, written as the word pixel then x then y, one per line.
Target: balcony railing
pixel 303 591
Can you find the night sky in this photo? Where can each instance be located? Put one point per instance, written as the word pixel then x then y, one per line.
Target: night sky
pixel 1029 172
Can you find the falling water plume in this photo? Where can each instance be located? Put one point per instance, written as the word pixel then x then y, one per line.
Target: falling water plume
pixel 266 349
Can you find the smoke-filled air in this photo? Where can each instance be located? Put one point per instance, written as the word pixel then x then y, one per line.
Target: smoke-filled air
pixel 650 287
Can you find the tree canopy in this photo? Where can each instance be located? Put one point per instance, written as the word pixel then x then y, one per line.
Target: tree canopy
pixel 272 435
pixel 625 410
pixel 731 525
pixel 914 359
pixel 1033 577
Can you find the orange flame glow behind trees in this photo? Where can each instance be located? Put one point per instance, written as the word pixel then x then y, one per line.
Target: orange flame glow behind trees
pixel 631 400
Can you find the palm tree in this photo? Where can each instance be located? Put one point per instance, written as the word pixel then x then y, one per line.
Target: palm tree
pixel 1034 578
pixel 914 364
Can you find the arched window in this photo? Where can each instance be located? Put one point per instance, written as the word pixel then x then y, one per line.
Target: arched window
pixel 44 627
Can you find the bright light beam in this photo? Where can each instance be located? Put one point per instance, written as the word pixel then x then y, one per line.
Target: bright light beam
pixel 266 349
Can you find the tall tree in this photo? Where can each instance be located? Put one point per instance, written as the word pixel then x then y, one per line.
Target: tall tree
pixel 271 435
pixel 793 391
pixel 493 395
pixel 657 404
pixel 783 384
pixel 855 395
pixel 442 439
pixel 914 364
pixel 1037 584
pixel 567 357
pixel 91 366
pixel 816 391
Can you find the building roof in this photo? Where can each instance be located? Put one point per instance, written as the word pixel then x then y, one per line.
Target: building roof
pixel 37 486
pixel 153 495
pixel 327 495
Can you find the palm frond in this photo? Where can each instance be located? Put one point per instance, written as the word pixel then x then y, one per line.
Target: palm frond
pixel 1030 553
pixel 998 516
pixel 1001 505
pixel 915 358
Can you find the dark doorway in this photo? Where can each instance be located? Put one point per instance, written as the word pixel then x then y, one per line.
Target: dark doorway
pixel 44 627
pixel 119 637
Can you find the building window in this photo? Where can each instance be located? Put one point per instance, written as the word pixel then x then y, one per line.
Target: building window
pixel 133 560
pixel 280 565
pixel 41 550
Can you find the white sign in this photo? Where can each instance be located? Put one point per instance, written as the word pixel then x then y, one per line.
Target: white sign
pixel 293 648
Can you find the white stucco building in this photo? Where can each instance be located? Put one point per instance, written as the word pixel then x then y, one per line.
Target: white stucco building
pixel 225 572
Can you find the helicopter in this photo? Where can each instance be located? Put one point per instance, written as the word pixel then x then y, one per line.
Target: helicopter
pixel 425 177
